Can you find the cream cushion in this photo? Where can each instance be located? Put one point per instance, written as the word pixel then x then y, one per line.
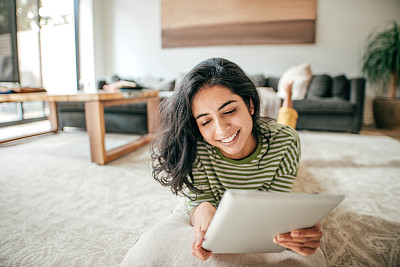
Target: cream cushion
pixel 269 102
pixel 168 244
pixel 301 76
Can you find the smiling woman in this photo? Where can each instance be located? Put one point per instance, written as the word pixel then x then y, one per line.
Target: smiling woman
pixel 179 131
pixel 225 121
pixel 210 140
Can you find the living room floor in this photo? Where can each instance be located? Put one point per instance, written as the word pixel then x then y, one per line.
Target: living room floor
pixel 91 215
pixel 370 130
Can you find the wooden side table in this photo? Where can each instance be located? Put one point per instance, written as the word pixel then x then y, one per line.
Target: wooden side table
pixel 94 113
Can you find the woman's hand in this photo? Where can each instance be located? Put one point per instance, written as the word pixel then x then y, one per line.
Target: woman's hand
pixel 302 241
pixel 201 218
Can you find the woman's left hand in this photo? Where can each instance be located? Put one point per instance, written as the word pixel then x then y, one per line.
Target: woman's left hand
pixel 302 241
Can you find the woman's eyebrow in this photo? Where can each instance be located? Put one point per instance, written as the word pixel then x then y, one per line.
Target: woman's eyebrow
pixel 221 107
pixel 226 103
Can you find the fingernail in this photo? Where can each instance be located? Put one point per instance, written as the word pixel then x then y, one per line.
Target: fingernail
pixel 295 233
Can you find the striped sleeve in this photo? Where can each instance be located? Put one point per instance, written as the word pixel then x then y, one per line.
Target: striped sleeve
pixel 288 166
pixel 202 182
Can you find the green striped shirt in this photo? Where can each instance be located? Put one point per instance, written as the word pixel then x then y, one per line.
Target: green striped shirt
pixel 275 171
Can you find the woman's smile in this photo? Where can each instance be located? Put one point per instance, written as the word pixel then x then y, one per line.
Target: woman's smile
pixel 231 139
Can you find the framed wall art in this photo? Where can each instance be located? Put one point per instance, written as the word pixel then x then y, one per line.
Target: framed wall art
pixel 186 23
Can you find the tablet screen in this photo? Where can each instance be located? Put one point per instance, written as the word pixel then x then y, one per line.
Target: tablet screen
pixel 247 221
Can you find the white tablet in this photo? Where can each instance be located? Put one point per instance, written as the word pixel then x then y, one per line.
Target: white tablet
pixel 247 221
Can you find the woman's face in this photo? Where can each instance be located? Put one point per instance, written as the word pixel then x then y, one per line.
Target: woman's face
pixel 225 121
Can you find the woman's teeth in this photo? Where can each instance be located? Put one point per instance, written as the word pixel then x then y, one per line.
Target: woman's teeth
pixel 229 139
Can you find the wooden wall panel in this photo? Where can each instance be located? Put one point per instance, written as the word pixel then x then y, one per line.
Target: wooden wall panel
pixel 237 22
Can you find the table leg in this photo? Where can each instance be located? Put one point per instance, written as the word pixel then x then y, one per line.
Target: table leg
pixel 153 116
pixel 53 116
pixel 95 125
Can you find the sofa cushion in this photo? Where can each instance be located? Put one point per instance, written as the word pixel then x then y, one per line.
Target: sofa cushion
pixel 341 87
pixel 70 106
pixel 320 86
pixel 326 105
pixel 273 83
pixel 258 80
pixel 152 82
pixel 136 108
pixel 301 76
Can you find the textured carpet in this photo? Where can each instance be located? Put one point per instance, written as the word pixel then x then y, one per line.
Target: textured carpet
pixel 59 209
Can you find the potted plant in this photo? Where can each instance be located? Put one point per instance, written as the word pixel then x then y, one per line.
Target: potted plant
pixel 381 66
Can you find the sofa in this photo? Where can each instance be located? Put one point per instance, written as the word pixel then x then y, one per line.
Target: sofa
pixel 331 104
pixel 130 119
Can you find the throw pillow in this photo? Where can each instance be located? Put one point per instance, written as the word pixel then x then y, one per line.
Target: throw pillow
pixel 301 76
pixel 341 87
pixel 320 86
pixel 161 84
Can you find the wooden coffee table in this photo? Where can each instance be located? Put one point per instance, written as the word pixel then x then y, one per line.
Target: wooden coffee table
pixel 94 113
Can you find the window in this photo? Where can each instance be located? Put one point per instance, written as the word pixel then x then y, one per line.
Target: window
pixel 58 46
pixel 46 54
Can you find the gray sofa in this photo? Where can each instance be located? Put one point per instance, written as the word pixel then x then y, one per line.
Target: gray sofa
pixel 130 118
pixel 331 104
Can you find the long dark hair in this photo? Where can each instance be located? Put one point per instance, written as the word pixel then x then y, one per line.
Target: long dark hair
pixel 174 146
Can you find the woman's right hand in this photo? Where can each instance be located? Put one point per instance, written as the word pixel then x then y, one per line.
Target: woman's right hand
pixel 201 218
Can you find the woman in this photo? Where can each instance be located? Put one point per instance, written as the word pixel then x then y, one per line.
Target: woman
pixel 214 113
pixel 211 140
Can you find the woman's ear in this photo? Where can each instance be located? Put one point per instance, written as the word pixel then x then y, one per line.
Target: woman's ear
pixel 251 107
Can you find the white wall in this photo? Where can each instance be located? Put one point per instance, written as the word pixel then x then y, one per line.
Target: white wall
pixel 87 42
pixel 131 42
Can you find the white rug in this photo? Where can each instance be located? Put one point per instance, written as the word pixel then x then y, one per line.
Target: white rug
pixel 59 209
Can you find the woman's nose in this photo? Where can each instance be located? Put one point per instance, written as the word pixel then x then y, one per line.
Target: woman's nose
pixel 222 126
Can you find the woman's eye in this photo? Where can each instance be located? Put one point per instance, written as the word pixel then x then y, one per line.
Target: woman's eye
pixel 231 111
pixel 205 123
